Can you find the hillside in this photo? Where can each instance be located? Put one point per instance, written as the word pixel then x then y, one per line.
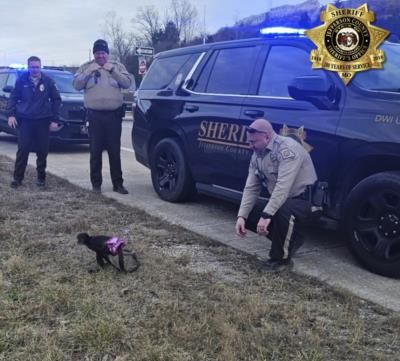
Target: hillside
pixel 307 15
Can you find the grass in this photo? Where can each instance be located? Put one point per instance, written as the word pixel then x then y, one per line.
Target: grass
pixel 191 299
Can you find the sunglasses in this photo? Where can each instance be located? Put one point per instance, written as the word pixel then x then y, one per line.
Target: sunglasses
pixel 251 130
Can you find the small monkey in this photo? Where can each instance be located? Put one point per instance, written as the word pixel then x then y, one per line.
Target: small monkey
pixel 106 246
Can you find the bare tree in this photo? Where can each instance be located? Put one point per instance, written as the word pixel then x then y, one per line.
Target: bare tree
pixel 148 21
pixel 121 42
pixel 185 17
pixel 181 12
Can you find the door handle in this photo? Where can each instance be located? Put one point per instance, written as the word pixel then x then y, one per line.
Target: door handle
pixel 191 108
pixel 254 113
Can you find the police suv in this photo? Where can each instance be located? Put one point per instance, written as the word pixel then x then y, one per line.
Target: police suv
pixel 72 125
pixel 195 103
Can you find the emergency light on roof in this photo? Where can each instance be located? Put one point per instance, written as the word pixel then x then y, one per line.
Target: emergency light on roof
pixel 17 66
pixel 281 30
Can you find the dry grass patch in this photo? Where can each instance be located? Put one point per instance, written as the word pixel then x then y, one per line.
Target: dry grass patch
pixel 191 299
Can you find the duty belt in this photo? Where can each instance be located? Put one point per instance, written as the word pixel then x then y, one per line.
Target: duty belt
pixel 104 110
pixel 307 194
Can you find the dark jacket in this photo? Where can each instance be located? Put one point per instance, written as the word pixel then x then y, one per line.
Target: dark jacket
pixel 28 102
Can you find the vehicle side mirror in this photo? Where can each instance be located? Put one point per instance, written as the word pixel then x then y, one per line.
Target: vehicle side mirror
pixel 316 90
pixel 8 89
pixel 165 93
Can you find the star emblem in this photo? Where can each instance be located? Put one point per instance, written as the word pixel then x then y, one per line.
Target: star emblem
pixel 347 42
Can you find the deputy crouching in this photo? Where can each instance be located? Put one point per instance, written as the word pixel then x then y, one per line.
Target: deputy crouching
pixel 285 169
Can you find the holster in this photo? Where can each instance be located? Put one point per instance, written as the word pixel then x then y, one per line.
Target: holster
pixel 119 112
pixel 320 195
pixel 122 111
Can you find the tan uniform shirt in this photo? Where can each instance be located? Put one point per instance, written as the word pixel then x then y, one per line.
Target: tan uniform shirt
pixel 104 92
pixel 288 170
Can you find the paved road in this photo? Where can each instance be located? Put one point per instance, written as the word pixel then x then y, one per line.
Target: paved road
pixel 323 255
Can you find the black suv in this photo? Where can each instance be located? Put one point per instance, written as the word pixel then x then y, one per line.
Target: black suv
pixel 72 122
pixel 195 103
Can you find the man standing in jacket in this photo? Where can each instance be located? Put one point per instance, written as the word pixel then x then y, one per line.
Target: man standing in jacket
pixel 102 81
pixel 33 108
pixel 285 169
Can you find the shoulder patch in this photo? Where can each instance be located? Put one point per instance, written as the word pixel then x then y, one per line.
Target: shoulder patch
pixel 286 153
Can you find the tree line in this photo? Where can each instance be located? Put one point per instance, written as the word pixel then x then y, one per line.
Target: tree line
pixel 180 25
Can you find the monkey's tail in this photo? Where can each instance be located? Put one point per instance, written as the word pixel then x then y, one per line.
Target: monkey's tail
pixel 122 264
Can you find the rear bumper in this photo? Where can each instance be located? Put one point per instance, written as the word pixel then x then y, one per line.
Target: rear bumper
pixel 74 133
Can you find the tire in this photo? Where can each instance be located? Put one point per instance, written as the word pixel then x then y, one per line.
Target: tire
pixel 170 173
pixel 372 223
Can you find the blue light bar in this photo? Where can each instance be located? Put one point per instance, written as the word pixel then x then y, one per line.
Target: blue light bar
pixel 17 66
pixel 280 30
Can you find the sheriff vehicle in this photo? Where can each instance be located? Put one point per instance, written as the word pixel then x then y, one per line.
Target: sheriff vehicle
pixel 195 103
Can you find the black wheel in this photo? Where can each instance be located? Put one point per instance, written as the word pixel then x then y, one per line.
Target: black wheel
pixel 170 174
pixel 372 223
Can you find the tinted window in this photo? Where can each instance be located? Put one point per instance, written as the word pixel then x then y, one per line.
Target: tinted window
pixel 162 71
pixel 280 69
pixel 3 78
pixel 63 82
pixel 12 77
pixel 230 74
pixel 387 78
pixel 201 82
pixel 183 72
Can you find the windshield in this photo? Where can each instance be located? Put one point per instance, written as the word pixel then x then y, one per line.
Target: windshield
pixel 64 82
pixel 387 78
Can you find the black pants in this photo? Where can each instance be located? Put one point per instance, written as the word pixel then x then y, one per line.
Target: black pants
pixel 105 129
pixel 33 135
pixel 286 229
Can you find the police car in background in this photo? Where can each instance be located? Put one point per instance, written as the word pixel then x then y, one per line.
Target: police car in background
pixel 195 103
pixel 72 124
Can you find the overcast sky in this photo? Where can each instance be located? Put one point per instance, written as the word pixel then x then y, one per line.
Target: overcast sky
pixel 62 32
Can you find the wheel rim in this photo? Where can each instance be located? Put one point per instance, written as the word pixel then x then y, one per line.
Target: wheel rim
pixel 378 225
pixel 166 171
